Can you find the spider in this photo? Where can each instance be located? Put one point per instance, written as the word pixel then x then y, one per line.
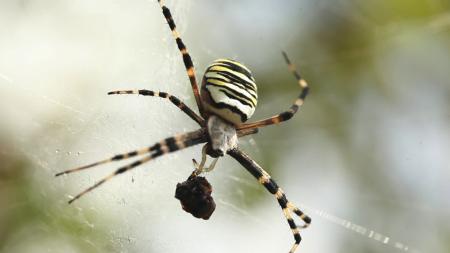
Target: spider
pixel 227 99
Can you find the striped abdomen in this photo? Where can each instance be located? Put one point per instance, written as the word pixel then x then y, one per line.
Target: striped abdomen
pixel 229 91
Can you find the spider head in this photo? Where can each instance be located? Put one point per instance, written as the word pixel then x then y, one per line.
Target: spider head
pixel 229 91
pixel 222 136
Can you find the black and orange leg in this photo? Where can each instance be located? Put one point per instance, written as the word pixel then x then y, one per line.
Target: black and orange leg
pixel 184 53
pixel 143 151
pixel 163 147
pixel 265 179
pixel 245 132
pixel 177 102
pixel 286 115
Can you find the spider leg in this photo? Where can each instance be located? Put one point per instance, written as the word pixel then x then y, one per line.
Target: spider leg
pixel 184 53
pixel 110 176
pixel 177 102
pixel 169 144
pixel 137 152
pixel 245 132
pixel 286 115
pixel 117 157
pixel 163 147
pixel 265 179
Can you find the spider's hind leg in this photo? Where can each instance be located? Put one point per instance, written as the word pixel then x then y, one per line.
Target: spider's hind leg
pixel 189 65
pixel 286 115
pixel 174 100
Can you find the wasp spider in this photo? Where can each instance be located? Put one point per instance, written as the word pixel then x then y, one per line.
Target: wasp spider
pixel 227 99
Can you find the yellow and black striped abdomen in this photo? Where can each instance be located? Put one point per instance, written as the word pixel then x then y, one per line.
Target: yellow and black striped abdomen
pixel 229 91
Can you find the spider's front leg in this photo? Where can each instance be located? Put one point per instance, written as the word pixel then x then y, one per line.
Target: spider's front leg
pixel 265 179
pixel 168 145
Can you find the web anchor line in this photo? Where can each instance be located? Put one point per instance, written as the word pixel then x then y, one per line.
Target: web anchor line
pixel 361 230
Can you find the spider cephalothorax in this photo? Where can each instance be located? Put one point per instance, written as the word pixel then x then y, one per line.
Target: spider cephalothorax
pixel 227 100
pixel 222 136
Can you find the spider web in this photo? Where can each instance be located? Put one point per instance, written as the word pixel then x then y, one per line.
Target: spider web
pixel 60 58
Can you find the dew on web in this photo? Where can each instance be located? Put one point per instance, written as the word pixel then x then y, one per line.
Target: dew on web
pixel 363 231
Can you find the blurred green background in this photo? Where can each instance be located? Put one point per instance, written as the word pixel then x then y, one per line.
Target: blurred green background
pixel 371 144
